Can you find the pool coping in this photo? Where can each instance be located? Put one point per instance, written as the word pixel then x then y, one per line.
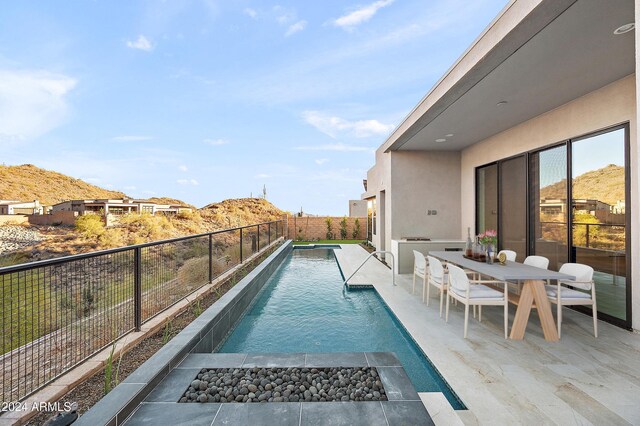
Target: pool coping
pixel 403 405
pixel 199 336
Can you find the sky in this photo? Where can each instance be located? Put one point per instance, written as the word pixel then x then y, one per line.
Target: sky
pixel 206 100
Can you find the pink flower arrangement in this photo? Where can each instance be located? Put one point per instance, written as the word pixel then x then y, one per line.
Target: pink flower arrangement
pixel 490 236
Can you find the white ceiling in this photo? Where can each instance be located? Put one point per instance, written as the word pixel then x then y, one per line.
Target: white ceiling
pixel 573 55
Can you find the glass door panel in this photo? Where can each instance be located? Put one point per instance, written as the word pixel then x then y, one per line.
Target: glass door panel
pixel 599 216
pixel 512 231
pixel 486 198
pixel 548 176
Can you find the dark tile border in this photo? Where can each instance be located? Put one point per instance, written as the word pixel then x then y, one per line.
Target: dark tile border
pixel 202 334
pixel 403 407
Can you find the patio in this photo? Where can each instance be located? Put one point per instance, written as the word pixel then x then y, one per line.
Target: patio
pixel 578 380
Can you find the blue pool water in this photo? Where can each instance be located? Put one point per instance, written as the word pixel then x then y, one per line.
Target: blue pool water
pixel 303 308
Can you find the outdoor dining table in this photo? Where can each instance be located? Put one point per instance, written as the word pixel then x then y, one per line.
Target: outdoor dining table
pixel 533 290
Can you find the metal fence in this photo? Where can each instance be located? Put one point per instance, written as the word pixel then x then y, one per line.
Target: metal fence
pixel 57 313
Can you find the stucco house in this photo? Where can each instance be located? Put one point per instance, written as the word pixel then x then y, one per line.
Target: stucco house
pixel 504 140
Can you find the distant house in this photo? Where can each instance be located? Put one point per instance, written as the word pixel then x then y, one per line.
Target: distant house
pixel 117 207
pixel 20 207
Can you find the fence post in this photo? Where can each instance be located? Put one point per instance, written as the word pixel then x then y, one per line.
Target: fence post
pixel 137 288
pixel 241 231
pixel 210 258
pixel 587 237
pixel 258 238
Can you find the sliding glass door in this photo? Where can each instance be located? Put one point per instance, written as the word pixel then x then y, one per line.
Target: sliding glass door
pixel 512 214
pixel 487 198
pixel 549 210
pixel 599 215
pixel 568 203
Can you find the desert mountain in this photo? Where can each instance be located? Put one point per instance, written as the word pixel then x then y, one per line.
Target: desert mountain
pixel 239 212
pixel 28 182
pixel 605 184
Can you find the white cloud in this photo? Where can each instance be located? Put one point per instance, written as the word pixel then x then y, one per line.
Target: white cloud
pixel 297 27
pixel 32 103
pixel 131 138
pixel 129 188
pixel 360 15
pixel 216 142
pixel 262 176
pixel 141 43
pixel 333 126
pixel 321 161
pixel 188 182
pixel 250 12
pixel 183 168
pixel 340 147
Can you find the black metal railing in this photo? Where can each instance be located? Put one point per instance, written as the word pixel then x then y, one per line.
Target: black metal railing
pixel 603 236
pixel 56 313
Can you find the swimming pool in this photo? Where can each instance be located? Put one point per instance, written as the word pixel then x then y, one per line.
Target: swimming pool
pixel 303 308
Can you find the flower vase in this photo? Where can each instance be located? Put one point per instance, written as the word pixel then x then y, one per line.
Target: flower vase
pixel 490 253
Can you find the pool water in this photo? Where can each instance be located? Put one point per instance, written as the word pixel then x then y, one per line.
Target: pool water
pixel 304 308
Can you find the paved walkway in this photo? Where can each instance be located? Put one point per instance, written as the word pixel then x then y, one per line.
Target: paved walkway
pixel 579 380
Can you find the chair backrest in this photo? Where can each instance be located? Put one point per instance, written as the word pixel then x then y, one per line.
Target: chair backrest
pixel 537 261
pixel 436 270
pixel 419 261
pixel 583 274
pixel 457 278
pixel 511 255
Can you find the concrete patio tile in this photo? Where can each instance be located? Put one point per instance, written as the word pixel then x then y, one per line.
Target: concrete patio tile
pixel 406 413
pixel 397 384
pixel 267 414
pixel 160 413
pixel 341 359
pixel 342 413
pixel 171 388
pixel 275 360
pixel 383 359
pixel 215 360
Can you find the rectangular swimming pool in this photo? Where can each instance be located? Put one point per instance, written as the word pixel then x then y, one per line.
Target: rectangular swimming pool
pixel 304 308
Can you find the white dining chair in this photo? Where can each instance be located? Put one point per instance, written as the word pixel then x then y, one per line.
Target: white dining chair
pixel 473 292
pixel 419 270
pixel 437 278
pixel 511 255
pixel 581 291
pixel 537 261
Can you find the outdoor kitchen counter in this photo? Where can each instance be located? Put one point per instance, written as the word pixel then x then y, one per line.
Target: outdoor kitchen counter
pixel 403 251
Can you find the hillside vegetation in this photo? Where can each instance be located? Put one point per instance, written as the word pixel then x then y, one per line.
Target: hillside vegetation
pixel 605 184
pixel 28 182
pixel 238 212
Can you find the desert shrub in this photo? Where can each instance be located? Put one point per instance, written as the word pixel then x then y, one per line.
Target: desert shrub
pixel 355 234
pixel 90 225
pixel 194 271
pixel 185 214
pixel 329 224
pixel 111 238
pixel 146 227
pixel 343 228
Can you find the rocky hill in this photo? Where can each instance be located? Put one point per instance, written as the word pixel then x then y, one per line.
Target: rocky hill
pixel 239 212
pixel 605 184
pixel 28 182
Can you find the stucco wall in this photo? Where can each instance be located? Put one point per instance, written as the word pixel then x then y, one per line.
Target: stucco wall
pixel 12 219
pixel 423 181
pixel 608 106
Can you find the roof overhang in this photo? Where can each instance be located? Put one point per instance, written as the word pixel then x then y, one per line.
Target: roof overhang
pixel 536 56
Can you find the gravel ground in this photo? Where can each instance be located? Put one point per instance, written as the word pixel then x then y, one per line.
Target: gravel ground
pixel 290 384
pixel 14 238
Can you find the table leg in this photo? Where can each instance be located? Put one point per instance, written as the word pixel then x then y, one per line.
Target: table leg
pixel 533 290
